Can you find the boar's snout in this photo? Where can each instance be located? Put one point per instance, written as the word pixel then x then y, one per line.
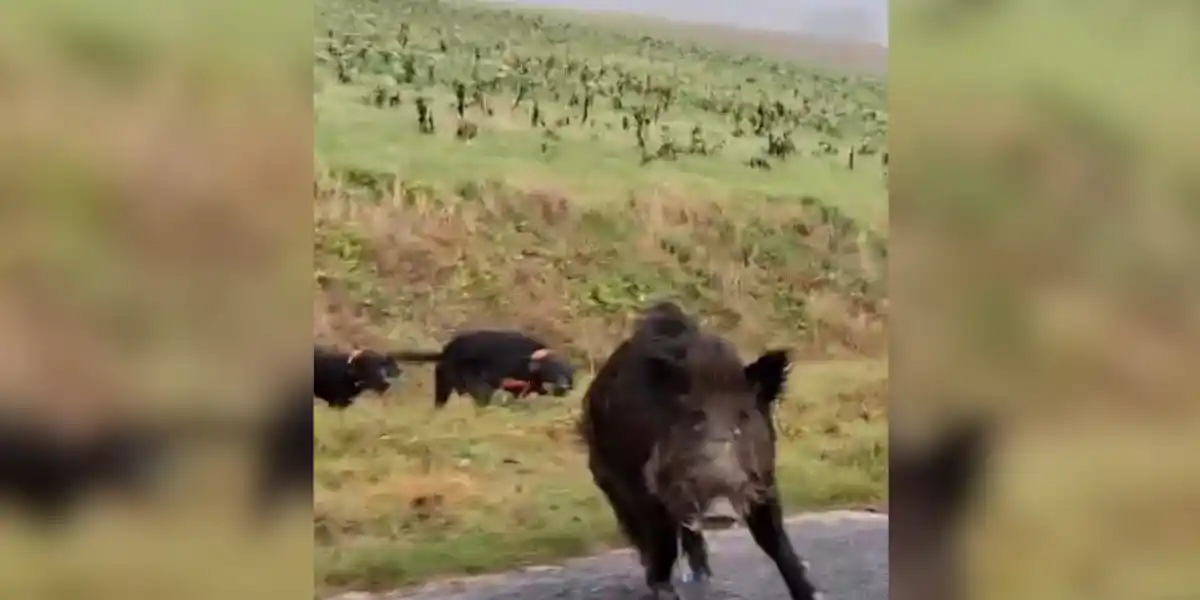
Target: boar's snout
pixel 689 477
pixel 720 470
pixel 720 515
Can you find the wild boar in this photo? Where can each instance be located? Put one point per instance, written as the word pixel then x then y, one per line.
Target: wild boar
pixel 673 421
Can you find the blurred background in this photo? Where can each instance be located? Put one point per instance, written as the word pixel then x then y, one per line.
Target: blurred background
pixel 1044 198
pixel 155 251
pixel 155 163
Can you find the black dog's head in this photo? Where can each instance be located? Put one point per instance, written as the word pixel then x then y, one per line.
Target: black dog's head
pixel 130 457
pixel 372 370
pixel 932 488
pixel 556 374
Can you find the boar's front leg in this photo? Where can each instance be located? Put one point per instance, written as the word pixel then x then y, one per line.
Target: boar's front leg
pixel 664 551
pixel 648 527
pixel 697 553
pixel 626 513
pixel 765 521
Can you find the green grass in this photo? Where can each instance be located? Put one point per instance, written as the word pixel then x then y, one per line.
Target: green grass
pixel 565 230
pixel 825 115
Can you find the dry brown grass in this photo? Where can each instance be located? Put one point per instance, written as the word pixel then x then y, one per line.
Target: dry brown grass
pixel 417 265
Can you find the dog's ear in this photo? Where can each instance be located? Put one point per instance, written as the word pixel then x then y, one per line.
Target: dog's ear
pixel 535 359
pixel 354 355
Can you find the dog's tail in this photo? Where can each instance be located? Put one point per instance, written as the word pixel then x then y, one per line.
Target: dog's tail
pixel 415 357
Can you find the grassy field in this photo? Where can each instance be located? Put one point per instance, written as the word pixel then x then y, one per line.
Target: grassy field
pixel 586 169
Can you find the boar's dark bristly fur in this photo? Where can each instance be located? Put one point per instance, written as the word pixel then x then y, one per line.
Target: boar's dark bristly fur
pixel 673 421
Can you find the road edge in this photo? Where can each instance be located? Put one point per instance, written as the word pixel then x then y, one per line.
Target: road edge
pixel 827 516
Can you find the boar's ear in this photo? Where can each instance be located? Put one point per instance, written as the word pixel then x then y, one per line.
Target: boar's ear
pixel 768 375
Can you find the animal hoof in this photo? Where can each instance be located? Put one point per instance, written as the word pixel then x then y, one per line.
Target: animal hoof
pixel 698 585
pixel 696 573
pixel 664 591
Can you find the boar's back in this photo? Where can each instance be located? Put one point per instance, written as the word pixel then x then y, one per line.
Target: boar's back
pixel 623 410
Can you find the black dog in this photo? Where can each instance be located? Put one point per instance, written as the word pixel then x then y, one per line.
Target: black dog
pixel 48 476
pixel 339 377
pixel 285 449
pixel 931 491
pixel 284 442
pixel 479 363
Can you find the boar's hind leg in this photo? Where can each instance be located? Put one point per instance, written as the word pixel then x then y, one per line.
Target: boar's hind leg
pixel 765 521
pixel 443 384
pixel 696 551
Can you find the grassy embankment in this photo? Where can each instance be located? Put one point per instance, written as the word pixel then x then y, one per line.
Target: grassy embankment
pixel 754 219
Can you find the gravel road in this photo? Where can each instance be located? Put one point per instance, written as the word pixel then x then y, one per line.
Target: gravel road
pixel 847 551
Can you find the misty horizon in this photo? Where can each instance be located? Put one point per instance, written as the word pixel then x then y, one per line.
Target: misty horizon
pixel 863 21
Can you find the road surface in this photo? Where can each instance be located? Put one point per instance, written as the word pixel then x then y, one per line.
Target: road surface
pixel 847 552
